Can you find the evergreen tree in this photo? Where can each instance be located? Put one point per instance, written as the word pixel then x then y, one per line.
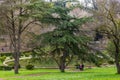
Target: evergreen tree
pixel 65 40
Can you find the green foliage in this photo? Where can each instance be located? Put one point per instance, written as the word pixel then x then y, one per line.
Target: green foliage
pixel 6 54
pixel 6 68
pixel 111 49
pixel 29 67
pixel 2 58
pixel 97 58
pixel 98 64
pixel 11 64
pixel 65 40
pixel 65 31
pixel 38 8
pixel 1 67
pixel 111 62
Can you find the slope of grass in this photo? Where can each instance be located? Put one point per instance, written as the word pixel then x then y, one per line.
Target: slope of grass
pixel 54 74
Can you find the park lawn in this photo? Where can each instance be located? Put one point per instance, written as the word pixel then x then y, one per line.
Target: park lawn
pixel 107 73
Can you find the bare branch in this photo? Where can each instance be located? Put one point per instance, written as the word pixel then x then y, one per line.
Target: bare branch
pixel 27 25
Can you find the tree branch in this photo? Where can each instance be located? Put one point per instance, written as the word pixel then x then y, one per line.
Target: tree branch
pixel 27 25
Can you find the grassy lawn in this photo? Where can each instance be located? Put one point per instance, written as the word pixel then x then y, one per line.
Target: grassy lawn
pixel 54 74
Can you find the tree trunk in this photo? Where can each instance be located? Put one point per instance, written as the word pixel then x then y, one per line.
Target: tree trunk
pixel 118 67
pixel 117 51
pixel 62 63
pixel 16 58
pixel 16 63
pixel 62 67
pixel 117 61
pixel 16 54
pixel 18 46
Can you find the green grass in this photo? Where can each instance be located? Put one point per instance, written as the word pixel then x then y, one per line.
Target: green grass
pixel 54 74
pixel 0 63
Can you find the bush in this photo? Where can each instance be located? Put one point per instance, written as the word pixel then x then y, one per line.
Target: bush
pixel 5 68
pixel 1 67
pixel 30 67
pixel 6 54
pixel 77 66
pixel 98 64
pixel 110 62
pixel 2 58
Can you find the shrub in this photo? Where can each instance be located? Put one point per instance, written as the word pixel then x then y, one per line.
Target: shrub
pixel 29 67
pixel 111 62
pixel 77 66
pixel 1 67
pixel 2 58
pixel 98 64
pixel 5 68
pixel 5 54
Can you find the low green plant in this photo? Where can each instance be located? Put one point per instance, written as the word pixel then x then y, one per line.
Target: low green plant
pixel 111 62
pixel 2 58
pixel 1 67
pixel 29 67
pixel 6 68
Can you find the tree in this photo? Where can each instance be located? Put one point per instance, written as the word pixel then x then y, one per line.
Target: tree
pixel 16 16
pixel 108 19
pixel 64 40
